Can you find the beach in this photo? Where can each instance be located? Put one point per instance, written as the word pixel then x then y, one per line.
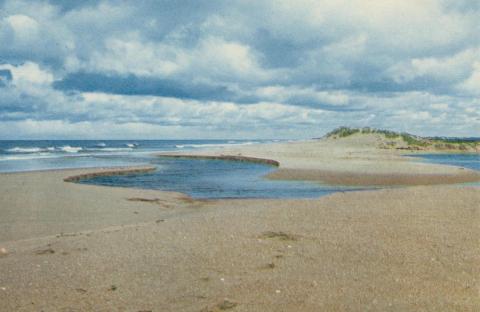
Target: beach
pixel 354 160
pixel 408 247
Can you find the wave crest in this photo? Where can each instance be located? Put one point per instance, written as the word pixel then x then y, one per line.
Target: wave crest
pixel 70 149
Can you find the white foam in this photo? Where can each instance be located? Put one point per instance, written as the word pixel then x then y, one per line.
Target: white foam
pixel 24 150
pixel 117 149
pixel 27 157
pixel 216 144
pixel 70 149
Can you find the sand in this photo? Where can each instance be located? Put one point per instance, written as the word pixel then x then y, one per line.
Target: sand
pixel 355 160
pixel 74 247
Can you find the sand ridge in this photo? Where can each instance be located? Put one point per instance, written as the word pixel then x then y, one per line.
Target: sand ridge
pixel 355 160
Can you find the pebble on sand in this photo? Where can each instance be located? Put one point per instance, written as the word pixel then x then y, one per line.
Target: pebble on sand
pixel 3 252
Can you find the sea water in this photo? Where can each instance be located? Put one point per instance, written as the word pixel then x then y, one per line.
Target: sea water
pixel 195 177
pixel 25 155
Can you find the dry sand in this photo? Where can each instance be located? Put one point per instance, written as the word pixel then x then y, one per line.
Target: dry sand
pixel 404 249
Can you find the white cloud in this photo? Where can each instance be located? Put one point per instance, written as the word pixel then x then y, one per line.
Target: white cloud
pixel 211 59
pixel 226 60
pixel 472 83
pixel 302 66
pixel 29 73
pixel 135 57
pixel 440 106
pixel 451 68
pixel 25 28
pixel 304 96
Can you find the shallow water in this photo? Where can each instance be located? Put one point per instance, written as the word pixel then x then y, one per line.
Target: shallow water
pixel 230 179
pixel 217 179
pixel 195 177
pixel 469 161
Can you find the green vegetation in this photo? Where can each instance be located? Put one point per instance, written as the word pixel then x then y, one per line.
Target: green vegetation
pixel 412 141
pixel 342 132
pixel 346 131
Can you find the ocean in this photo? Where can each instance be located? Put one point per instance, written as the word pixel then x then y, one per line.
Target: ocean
pixel 28 155
pixel 195 177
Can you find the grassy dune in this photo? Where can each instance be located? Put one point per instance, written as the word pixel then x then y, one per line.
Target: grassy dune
pixel 407 141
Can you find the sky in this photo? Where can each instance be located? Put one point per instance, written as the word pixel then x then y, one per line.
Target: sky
pixel 237 69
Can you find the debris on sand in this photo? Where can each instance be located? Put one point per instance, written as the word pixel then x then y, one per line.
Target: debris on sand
pixel 226 304
pixel 145 200
pixel 161 202
pixel 280 235
pixel 46 251
pixel 270 265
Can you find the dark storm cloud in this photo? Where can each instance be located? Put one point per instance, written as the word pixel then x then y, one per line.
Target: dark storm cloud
pixel 5 76
pixel 132 85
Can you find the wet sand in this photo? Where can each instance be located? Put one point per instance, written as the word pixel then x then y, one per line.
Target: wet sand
pixel 374 179
pixel 35 204
pixel 355 160
pixel 75 247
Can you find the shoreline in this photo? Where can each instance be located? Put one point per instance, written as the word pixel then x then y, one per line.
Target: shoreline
pixel 332 177
pixel 71 246
pixel 340 166
pixel 109 172
pixel 255 160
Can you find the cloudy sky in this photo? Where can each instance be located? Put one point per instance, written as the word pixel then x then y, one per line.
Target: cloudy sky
pixel 237 69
